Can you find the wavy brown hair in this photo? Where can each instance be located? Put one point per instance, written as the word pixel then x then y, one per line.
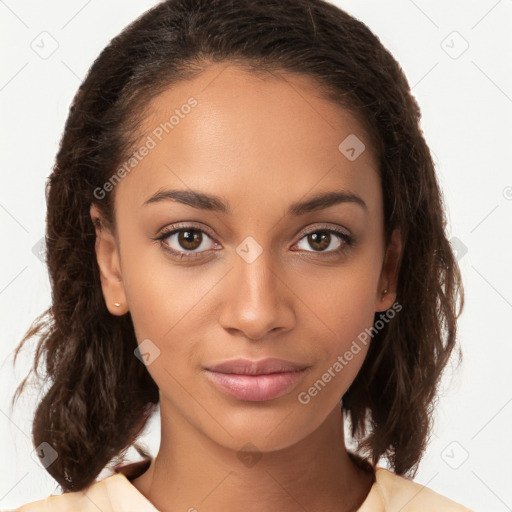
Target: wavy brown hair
pixel 99 396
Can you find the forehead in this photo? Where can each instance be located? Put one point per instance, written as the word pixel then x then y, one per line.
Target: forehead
pixel 229 129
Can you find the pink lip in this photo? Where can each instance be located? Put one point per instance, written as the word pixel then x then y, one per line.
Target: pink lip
pixel 256 381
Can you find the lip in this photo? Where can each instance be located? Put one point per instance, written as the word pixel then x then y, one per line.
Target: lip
pixel 256 381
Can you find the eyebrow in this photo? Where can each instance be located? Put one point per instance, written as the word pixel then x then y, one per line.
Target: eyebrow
pixel 213 203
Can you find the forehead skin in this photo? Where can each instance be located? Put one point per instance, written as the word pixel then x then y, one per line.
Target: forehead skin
pixel 260 142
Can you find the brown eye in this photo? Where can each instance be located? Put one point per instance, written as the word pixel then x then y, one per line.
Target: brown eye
pixel 186 241
pixel 322 239
pixel 319 240
pixel 190 240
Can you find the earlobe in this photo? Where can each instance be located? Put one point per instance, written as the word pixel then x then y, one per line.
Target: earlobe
pixel 107 256
pixel 388 282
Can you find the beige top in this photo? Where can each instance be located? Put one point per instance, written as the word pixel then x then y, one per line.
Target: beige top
pixel 115 493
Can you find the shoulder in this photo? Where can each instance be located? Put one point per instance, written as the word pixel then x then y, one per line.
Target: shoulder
pixel 112 494
pixel 94 497
pixel 400 493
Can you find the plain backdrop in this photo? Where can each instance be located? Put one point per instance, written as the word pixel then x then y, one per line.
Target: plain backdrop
pixel 456 55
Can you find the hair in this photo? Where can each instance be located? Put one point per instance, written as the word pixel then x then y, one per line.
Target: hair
pixel 99 396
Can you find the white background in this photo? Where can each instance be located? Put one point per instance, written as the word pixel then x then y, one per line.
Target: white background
pixel 466 100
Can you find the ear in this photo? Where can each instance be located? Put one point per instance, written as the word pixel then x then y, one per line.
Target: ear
pixel 107 256
pixel 388 281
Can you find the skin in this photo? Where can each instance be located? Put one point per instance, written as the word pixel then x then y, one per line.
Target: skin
pixel 261 143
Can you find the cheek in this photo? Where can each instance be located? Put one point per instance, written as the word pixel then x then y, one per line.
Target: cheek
pixel 171 305
pixel 342 307
pixel 153 292
pixel 342 299
pixel 162 298
pixel 345 310
pixel 339 354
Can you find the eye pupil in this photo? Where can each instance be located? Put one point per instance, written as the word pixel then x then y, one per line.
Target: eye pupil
pixel 188 239
pixel 320 237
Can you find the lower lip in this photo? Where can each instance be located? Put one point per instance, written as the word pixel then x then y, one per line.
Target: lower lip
pixel 256 388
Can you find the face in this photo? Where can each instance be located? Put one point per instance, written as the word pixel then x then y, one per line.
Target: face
pixel 225 252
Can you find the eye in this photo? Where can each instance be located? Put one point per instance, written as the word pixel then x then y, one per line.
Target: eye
pixel 186 241
pixel 322 239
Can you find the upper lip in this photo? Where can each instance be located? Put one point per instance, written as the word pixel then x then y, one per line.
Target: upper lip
pixel 261 367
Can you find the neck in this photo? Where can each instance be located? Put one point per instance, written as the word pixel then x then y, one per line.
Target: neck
pixel 193 472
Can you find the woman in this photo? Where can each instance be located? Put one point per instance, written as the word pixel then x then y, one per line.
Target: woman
pixel 245 229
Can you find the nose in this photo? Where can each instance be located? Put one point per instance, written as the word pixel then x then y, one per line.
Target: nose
pixel 258 300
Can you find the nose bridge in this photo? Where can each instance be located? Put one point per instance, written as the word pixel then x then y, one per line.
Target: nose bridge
pixel 254 270
pixel 254 302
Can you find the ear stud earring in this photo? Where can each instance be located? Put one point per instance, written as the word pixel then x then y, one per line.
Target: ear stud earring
pixel 117 305
pixel 384 291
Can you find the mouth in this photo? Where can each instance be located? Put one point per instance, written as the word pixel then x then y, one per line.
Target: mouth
pixel 256 381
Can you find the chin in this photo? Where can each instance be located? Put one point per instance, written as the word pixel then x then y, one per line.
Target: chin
pixel 267 430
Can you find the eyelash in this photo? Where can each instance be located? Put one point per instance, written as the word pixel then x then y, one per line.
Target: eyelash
pixel 348 241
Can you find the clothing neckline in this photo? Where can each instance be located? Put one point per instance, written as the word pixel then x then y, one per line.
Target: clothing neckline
pixel 128 472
